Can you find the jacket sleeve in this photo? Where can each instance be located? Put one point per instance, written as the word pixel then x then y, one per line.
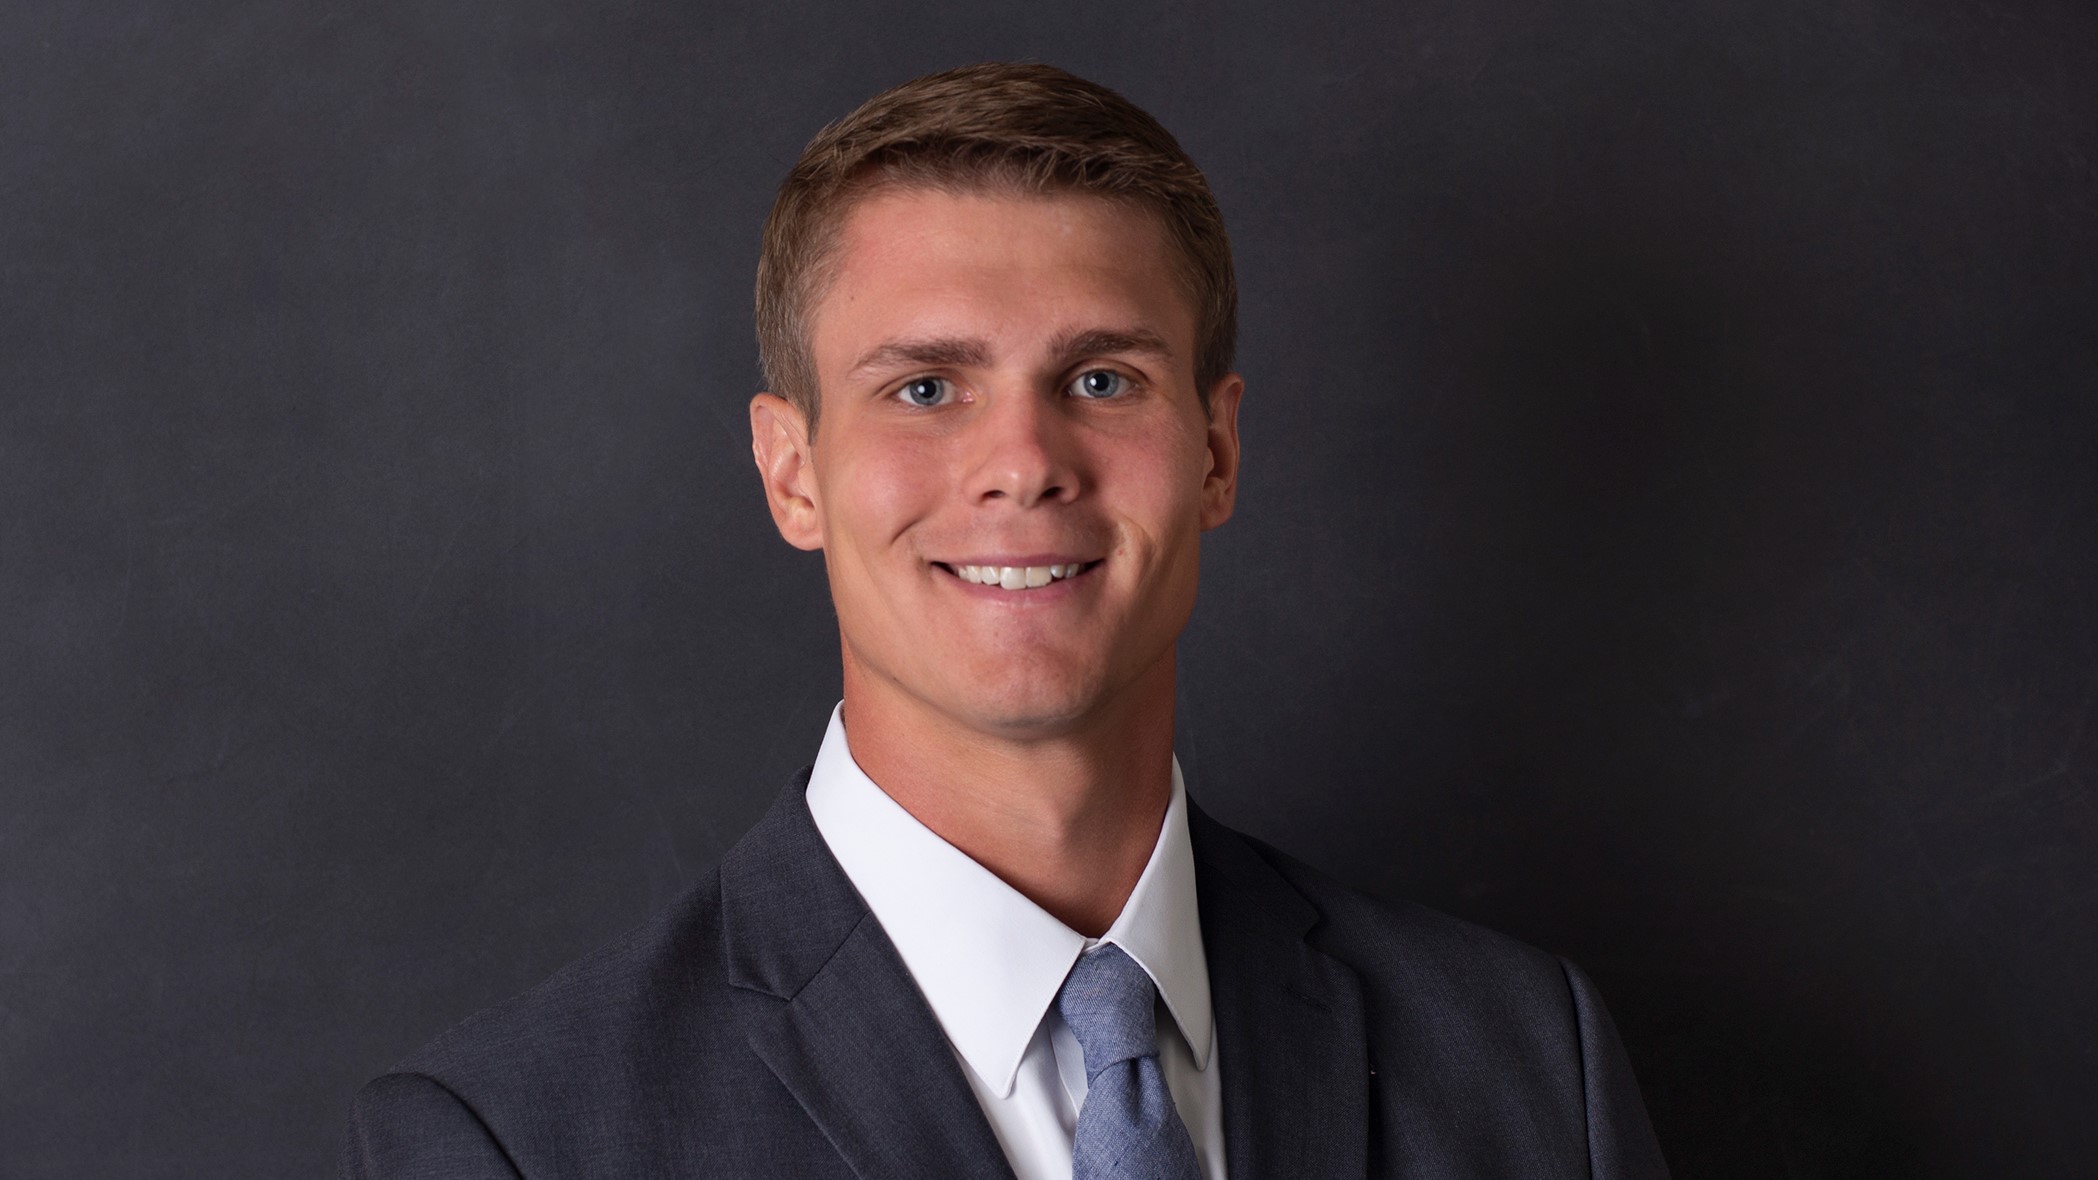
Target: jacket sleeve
pixel 1621 1143
pixel 406 1126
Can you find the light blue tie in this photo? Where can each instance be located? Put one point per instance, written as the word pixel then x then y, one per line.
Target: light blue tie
pixel 1127 1129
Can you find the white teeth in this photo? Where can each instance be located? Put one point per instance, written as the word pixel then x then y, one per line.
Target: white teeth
pixel 1016 577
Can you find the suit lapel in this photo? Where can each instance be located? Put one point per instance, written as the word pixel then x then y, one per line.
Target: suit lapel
pixel 833 1012
pixel 1290 1029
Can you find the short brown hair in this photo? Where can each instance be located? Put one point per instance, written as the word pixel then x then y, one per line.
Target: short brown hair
pixel 1029 128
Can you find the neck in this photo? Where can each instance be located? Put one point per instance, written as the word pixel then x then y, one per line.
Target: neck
pixel 1066 815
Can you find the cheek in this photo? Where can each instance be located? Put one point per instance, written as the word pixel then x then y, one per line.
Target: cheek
pixel 1165 475
pixel 873 494
pixel 1160 489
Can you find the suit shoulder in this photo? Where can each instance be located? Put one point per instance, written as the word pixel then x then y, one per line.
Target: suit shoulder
pixel 620 991
pixel 1492 1051
pixel 1385 939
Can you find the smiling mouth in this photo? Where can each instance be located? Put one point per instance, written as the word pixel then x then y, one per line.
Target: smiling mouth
pixel 1017 577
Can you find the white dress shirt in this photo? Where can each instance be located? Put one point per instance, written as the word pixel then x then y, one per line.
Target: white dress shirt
pixel 990 962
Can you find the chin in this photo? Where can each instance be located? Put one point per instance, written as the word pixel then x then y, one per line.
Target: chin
pixel 1026 706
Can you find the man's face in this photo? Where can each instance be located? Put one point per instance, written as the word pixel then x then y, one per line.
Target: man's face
pixel 1008 399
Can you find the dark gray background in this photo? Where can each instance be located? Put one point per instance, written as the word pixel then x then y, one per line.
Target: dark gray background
pixel 1669 530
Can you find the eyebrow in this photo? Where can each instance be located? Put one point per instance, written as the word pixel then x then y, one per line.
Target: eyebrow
pixel 955 352
pixel 932 353
pixel 1099 341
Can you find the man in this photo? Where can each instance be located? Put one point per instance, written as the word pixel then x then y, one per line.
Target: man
pixel 987 933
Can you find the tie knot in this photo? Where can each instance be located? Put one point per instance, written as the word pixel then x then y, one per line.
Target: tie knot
pixel 1107 1000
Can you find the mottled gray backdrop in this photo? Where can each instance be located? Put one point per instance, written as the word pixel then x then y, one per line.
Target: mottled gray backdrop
pixel 1669 530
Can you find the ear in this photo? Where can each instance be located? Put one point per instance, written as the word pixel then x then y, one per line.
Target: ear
pixel 1220 483
pixel 779 441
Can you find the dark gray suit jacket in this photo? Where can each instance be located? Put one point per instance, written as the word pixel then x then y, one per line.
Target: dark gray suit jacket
pixel 763 1025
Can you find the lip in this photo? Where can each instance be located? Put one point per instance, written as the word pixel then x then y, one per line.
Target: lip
pixel 1020 560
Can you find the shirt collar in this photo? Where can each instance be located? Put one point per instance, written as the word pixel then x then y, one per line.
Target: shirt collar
pixel 988 960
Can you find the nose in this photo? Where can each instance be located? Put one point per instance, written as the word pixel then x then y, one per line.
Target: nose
pixel 1023 451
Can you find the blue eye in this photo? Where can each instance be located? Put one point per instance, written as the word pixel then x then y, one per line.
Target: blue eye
pixel 925 391
pixel 1099 383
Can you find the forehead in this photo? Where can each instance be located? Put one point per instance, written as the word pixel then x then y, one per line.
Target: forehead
pixel 999 265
